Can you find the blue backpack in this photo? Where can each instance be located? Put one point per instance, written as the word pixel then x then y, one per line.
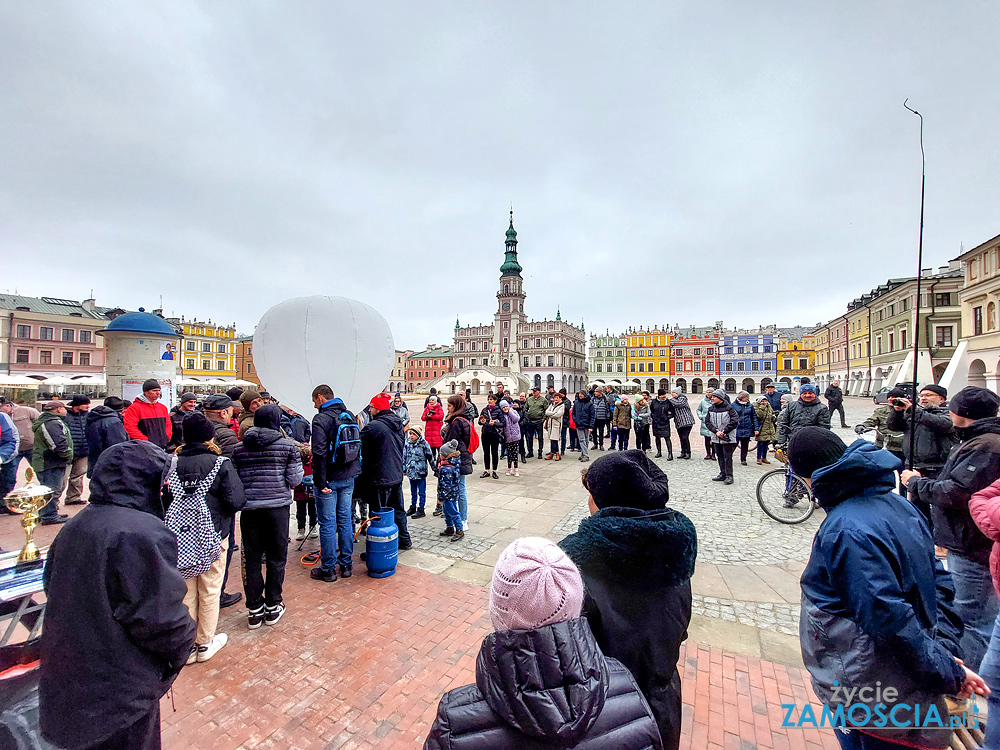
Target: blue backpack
pixel 346 446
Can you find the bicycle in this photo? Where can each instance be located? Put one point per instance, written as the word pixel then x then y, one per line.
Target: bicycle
pixel 784 496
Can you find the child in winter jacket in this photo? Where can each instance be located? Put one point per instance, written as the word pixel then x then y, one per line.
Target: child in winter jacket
pixel 448 490
pixel 511 436
pixel 417 455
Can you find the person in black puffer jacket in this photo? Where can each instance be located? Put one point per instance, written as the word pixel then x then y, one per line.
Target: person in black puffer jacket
pixel 457 426
pixel 104 429
pixel 196 459
pixel 541 679
pixel 637 557
pixel 116 629
pixel 382 463
pixel 269 466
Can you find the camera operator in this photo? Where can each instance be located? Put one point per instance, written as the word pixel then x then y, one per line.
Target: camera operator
pixel 934 434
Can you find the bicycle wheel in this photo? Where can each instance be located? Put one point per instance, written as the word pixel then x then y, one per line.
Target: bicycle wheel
pixel 792 506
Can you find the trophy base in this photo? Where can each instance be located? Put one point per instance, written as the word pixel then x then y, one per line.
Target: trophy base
pixel 29 553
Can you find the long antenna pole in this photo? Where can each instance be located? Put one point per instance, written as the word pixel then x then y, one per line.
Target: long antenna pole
pixel 920 263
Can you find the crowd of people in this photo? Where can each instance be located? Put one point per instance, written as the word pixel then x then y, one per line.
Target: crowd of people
pixel 901 587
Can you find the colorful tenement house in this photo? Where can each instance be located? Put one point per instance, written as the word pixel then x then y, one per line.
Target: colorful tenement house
pixel 694 366
pixel 747 359
pixel 209 349
pixel 607 359
pixel 796 360
pixel 648 357
pixel 426 366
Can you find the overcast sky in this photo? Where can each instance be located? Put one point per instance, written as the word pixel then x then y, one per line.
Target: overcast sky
pixel 667 162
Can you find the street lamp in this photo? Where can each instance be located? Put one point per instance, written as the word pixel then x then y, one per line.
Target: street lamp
pixel 920 263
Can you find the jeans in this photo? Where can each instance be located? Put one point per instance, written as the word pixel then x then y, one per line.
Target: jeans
pixel 623 436
pixel 989 670
pixel 563 431
pixel 418 493
pixel 452 517
pixel 724 454
pixel 336 524
pixel 491 451
pixel 762 449
pixel 598 433
pixel 642 437
pixel 56 479
pixel 463 499
pixel 392 497
pixel 614 437
pixel 684 433
pixel 852 739
pixel 530 430
pixel 976 603
pixel 265 541
pixel 839 408
pixel 581 434
pixel 8 476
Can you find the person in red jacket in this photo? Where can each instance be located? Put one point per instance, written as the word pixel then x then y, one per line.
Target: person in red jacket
pixel 146 418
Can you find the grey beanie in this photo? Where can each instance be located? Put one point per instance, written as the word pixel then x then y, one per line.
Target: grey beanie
pixel 719 393
pixel 448 448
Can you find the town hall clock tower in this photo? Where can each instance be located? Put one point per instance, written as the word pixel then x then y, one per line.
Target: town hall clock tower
pixel 510 308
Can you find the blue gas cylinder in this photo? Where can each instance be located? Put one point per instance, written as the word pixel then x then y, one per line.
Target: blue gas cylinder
pixel 382 545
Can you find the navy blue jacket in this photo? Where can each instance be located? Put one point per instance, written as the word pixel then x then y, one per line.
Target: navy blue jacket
pixel 583 412
pixel 749 421
pixel 104 429
pixel 876 604
pixel 77 423
pixel 774 399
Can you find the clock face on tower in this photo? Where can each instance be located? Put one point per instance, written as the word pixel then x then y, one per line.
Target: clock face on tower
pixel 506 306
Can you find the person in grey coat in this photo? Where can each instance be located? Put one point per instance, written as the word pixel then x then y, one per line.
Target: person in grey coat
pixel 269 466
pixel 683 420
pixel 703 406
pixel 722 419
pixel 541 679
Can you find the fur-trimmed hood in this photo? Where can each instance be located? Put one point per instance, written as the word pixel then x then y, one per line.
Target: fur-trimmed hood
pixel 658 546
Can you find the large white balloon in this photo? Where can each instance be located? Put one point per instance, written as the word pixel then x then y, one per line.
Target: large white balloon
pixel 302 342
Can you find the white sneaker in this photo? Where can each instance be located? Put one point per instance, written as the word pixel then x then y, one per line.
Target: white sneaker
pixel 300 535
pixel 193 656
pixel 211 648
pixel 314 534
pixel 465 525
pixel 508 472
pixel 516 473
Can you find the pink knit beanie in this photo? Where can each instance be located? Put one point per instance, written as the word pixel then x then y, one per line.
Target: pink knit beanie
pixel 534 584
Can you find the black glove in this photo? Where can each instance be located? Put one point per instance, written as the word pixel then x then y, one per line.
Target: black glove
pixel 860 428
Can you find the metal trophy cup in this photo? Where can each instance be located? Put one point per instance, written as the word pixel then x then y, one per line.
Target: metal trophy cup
pixel 27 501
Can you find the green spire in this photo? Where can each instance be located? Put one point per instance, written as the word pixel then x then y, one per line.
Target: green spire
pixel 583 328
pixel 510 265
pixel 558 314
pixel 456 323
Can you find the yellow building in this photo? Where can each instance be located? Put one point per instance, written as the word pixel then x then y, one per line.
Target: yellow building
pixel 209 350
pixel 859 318
pixel 647 355
pixel 796 359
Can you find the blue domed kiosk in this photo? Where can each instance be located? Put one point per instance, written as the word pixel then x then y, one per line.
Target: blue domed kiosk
pixel 139 346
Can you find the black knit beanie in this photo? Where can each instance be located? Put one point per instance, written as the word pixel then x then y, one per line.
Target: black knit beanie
pixel 812 448
pixel 939 390
pixel 973 402
pixel 197 428
pixel 150 385
pixel 269 416
pixel 627 479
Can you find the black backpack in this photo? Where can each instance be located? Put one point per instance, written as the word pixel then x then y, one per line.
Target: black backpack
pixel 346 446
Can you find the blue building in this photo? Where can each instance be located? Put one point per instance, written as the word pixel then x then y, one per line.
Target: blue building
pixel 748 360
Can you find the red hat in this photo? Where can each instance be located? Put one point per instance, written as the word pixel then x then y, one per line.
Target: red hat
pixel 381 402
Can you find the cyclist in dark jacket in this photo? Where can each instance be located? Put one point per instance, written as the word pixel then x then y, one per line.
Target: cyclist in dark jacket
pixel 805 412
pixel 637 557
pixel 541 679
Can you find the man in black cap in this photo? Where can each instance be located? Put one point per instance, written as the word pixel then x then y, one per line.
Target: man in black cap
pixel 875 600
pixel 104 429
pixel 187 404
pixel 637 557
pixel 76 419
pixel 973 465
pixel 219 411
pixel 147 418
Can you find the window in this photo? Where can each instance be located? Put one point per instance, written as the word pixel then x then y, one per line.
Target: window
pixel 786 364
pixel 85 337
pixel 45 334
pixel 740 366
pixel 68 334
pixel 739 350
pixel 552 361
pixel 767 350
pixel 663 366
pixel 221 364
pixel 221 349
pixel 621 367
pixel 767 366
pixel 249 367
pixel 538 361
pixel 473 346
pixel 902 339
pixel 680 353
pixel 189 364
pixel 903 304
pixel 755 365
pixel 206 347
pixel 538 343
pixel 729 365
pixel 663 352
pixel 878 344
pixel 942 336
pixel 473 362
pixel 708 352
pixel 461 347
pixel 892 339
pixel 618 353
pixel 84 358
pixel 803 364
pixel 44 358
pixel 551 342
pixel 598 367
pixel 642 367
pixel 22 356
pixel 506 288
pixel 697 352
pixel 942 299
pixel 23 332
pixel 190 346
pixel 505 324
pixel 525 362
pixel 504 343
pixel 892 311
pixel 461 363
pixel 754 350
pixel 67 358
pixel 630 369
pixel 525 346
pixel 206 364
pixel 697 366
pixel 729 350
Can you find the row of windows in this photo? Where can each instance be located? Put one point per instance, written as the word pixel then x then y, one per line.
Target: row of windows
pixel 205 347
pixel 426 374
pixel 663 367
pixel 22 357
pixel 189 364
pixel 426 363
pixel 787 364
pixel 741 366
pixel 47 333
pixel 753 349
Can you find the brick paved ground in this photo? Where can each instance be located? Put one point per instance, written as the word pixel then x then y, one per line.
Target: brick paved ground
pixel 362 664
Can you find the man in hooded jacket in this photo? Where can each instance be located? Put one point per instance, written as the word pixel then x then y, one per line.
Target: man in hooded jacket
pixel 637 557
pixel 807 411
pixel 104 429
pixel 116 629
pixel 382 463
pixel 877 606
